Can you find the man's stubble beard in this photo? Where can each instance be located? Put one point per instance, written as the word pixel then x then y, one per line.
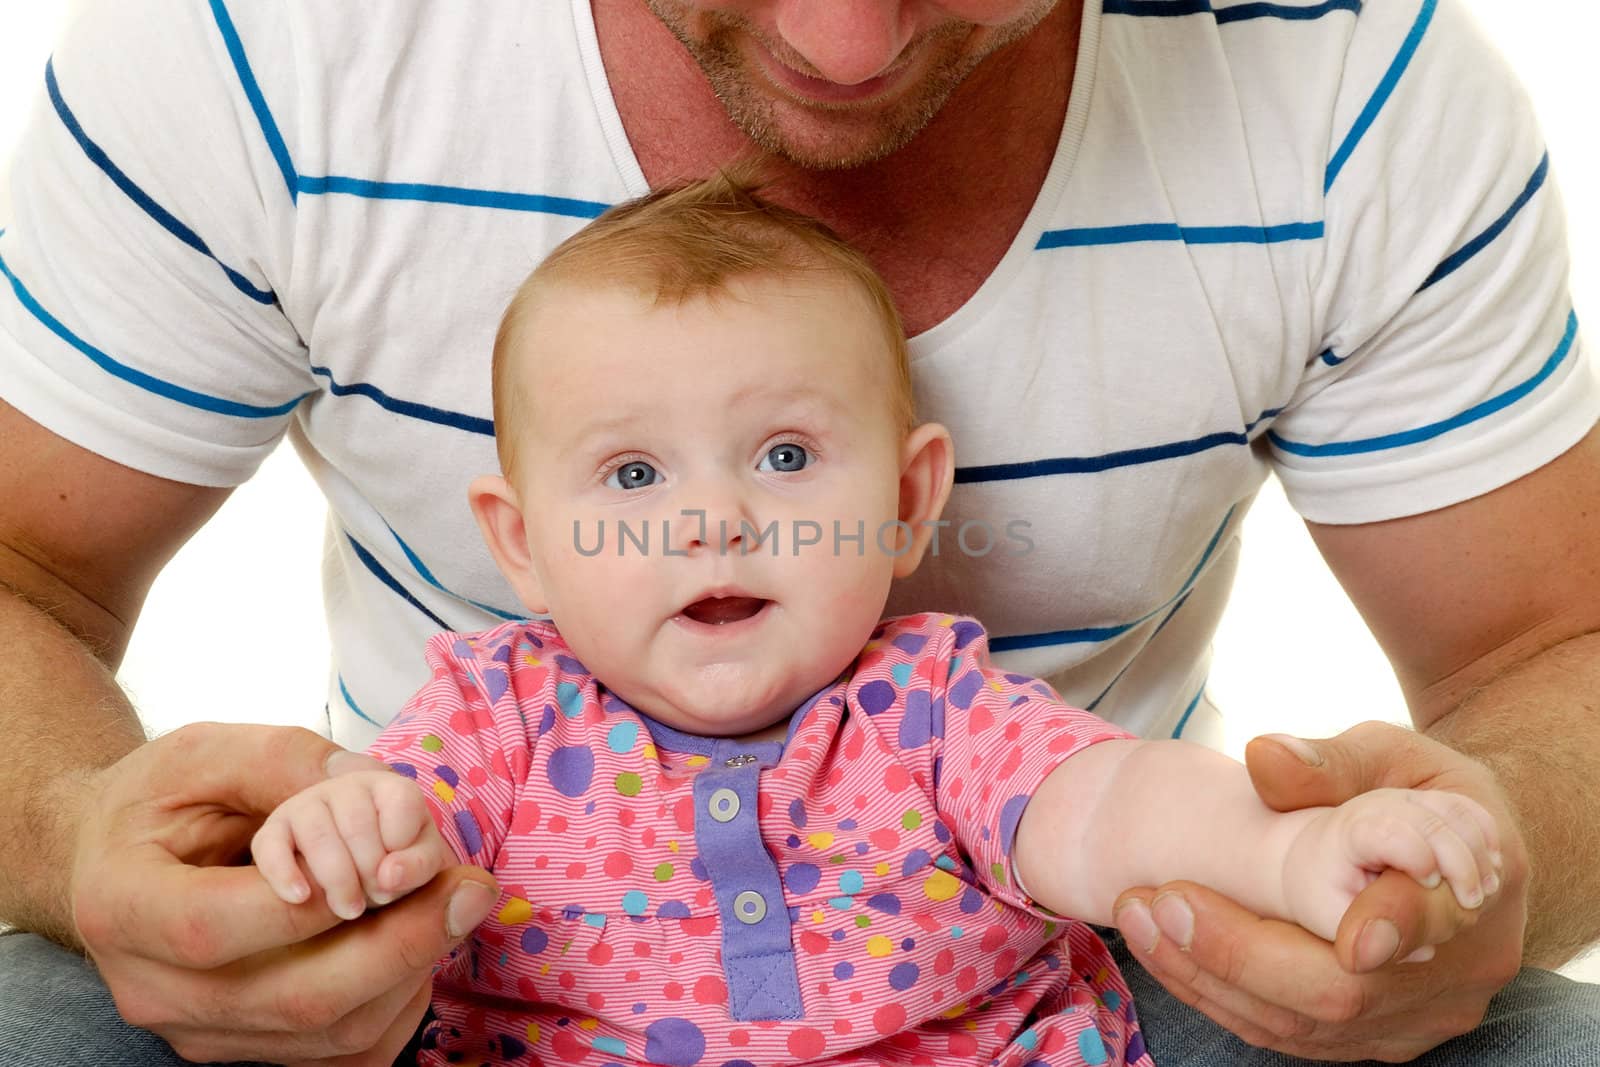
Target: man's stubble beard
pixel 856 136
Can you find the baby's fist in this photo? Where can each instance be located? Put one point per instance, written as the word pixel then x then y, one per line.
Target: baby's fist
pixel 364 836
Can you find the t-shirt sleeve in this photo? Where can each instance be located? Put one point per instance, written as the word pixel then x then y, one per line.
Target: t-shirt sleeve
pixel 146 230
pixel 1451 361
pixel 995 737
pixel 463 740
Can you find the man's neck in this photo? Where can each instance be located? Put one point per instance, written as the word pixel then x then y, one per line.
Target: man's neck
pixel 973 172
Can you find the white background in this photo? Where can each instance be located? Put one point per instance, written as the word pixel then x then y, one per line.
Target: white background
pixel 1313 666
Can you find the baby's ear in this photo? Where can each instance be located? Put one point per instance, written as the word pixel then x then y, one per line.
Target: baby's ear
pixel 927 470
pixel 498 510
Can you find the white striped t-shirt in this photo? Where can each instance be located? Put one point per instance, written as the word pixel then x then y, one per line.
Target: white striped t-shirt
pixel 1316 238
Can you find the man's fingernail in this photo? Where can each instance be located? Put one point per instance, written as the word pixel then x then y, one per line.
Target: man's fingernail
pixel 1303 751
pixel 1173 916
pixel 1376 945
pixel 1134 920
pixel 469 906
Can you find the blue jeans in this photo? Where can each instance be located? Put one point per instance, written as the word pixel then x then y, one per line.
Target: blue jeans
pixel 54 1012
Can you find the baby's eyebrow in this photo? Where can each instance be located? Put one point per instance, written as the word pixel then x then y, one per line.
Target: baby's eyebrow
pixel 590 435
pixel 803 396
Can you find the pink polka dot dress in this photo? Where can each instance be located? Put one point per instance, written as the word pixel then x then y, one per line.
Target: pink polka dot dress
pixel 844 897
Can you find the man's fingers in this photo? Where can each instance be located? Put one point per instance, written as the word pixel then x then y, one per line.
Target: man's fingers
pixel 1239 964
pixel 388 1048
pixel 404 939
pixel 191 916
pixel 1291 772
pixel 1394 917
pixel 201 761
pixel 370 1036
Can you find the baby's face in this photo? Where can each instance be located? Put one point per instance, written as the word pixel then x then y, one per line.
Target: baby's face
pixel 768 409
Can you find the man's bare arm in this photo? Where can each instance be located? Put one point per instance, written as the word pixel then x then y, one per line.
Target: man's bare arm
pixel 1487 611
pixel 1490 612
pixel 112 844
pixel 81 539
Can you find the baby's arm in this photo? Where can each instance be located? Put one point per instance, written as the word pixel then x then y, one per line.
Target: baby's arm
pixel 365 837
pixel 1126 813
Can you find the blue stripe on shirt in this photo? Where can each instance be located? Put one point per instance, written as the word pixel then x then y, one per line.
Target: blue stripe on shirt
pixel 409 408
pixel 1130 457
pixel 451 194
pixel 362 187
pixel 1483 240
pixel 350 702
pixel 147 382
pixel 1225 15
pixel 1444 426
pixel 252 92
pixel 1094 236
pixel 165 218
pixel 1177 731
pixel 1095 703
pixel 1381 94
pixel 379 572
pixel 1093 635
pixel 427 576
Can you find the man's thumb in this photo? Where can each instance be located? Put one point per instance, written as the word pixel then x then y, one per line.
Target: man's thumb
pixel 1290 773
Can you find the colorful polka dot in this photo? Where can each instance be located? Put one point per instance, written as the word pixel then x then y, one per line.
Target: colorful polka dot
pixel 570 769
pixel 620 738
pixel 674 1042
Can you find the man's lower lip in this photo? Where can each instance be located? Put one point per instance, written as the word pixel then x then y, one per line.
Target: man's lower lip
pixel 827 92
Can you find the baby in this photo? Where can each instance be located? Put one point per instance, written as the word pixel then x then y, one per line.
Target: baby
pixel 735 817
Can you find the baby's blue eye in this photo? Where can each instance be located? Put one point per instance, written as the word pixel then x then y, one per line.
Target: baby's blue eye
pixel 785 458
pixel 635 475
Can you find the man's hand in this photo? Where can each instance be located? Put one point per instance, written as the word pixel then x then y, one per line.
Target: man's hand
pixel 1278 986
pixel 206 955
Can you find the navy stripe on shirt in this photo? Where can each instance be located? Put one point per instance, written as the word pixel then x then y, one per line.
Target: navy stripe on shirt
pixel 427 575
pixel 1435 429
pixel 1129 457
pixel 1225 15
pixel 1455 261
pixel 378 571
pixel 410 408
pixel 168 221
pixel 1092 635
pixel 148 382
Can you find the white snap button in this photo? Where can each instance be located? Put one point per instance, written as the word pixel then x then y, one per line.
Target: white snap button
pixel 724 805
pixel 750 907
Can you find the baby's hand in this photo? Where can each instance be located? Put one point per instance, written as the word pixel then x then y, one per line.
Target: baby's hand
pixel 365 837
pixel 1434 836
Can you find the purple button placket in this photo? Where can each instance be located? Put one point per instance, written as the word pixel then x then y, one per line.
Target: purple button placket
pixel 757 945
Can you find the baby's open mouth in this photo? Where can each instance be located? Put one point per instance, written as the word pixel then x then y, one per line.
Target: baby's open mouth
pixel 721 610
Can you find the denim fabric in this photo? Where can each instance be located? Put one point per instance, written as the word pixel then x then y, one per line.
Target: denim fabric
pixel 1542 1019
pixel 55 1012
